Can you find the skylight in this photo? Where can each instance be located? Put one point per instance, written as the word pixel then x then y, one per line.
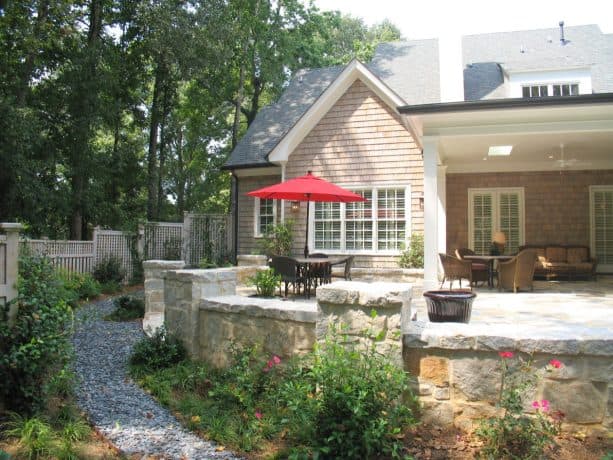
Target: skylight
pixel 499 150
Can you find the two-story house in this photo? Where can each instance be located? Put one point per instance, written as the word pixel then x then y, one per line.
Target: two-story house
pixel 452 138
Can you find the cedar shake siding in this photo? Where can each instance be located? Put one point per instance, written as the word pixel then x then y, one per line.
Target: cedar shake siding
pixel 247 242
pixel 556 204
pixel 360 141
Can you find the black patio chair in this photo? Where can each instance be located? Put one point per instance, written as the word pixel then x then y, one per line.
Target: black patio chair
pixel 348 261
pixel 289 270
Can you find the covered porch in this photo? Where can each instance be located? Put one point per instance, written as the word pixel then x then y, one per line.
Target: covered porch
pixel 558 173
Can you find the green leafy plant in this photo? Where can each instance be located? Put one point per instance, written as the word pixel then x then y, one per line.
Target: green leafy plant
pixel 108 270
pixel 158 351
pixel 127 308
pixel 265 282
pixel 277 240
pixel 36 345
pixel 83 285
pixel 516 434
pixel 413 257
pixel 341 401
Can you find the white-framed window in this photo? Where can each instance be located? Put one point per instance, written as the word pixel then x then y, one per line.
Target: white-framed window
pixel 379 225
pixel 265 215
pixel 601 226
pixel 494 209
pixel 550 89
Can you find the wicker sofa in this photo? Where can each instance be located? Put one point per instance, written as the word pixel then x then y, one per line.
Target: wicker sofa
pixel 563 261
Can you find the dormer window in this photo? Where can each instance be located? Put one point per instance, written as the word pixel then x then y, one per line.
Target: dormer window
pixel 551 89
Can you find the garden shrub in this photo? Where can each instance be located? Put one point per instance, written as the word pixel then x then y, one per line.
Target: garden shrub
pixel 265 282
pixel 413 257
pixel 127 308
pixel 277 240
pixel 37 345
pixel 82 285
pixel 158 351
pixel 109 270
pixel 516 434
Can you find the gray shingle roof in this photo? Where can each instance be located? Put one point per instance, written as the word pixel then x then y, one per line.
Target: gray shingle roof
pixel 411 70
pixel 273 122
pixel 486 56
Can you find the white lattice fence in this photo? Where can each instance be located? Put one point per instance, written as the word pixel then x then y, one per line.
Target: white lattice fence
pixel 207 237
pixel 72 256
pixel 116 244
pixel 163 241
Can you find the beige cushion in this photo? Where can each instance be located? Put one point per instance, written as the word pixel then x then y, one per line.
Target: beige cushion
pixel 576 255
pixel 584 267
pixel 555 254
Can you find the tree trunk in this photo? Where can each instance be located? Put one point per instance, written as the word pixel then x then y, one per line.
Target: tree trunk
pixel 154 126
pixel 239 98
pixel 166 108
pixel 181 176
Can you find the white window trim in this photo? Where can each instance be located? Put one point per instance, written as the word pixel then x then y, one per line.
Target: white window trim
pixel 256 217
pixel 600 268
pixel 550 86
pixel 496 217
pixel 370 252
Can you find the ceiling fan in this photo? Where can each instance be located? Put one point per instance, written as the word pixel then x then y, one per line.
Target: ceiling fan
pixel 565 163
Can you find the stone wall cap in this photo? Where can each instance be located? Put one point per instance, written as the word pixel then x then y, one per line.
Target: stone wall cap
pixel 262 307
pixel 164 263
pixel 11 226
pixel 378 294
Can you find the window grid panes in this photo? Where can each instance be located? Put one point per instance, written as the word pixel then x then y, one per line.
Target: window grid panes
pixel 378 224
pixel 266 215
pixel 328 225
pixel 391 228
pixel 559 89
pixel 358 223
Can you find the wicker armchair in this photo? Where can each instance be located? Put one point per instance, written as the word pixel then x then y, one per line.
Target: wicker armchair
pixel 455 269
pixel 517 273
pixel 479 267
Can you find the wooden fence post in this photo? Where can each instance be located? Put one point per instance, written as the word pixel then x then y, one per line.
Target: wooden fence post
pixel 140 242
pixel 186 247
pixel 95 239
pixel 12 265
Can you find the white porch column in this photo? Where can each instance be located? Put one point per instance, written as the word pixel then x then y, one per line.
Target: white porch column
pixel 432 213
pixel 441 187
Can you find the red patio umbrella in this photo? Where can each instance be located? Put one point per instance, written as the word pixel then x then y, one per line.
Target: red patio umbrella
pixel 307 188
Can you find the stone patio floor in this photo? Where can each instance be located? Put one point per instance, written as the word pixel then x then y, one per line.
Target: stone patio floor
pixel 555 310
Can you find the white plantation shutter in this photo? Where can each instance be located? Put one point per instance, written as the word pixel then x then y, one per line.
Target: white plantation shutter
pixel 482 206
pixel 491 210
pixel 602 226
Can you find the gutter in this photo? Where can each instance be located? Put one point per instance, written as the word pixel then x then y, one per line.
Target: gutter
pixel 508 103
pixel 246 166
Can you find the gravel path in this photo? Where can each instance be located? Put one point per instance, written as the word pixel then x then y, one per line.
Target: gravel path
pixel 124 414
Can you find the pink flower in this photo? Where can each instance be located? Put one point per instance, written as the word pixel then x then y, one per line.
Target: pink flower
pixel 276 359
pixel 505 354
pixel 258 415
pixel 543 404
pixel 535 404
pixel 555 363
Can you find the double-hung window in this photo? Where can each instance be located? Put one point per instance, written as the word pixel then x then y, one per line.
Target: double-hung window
pixel 265 215
pixel 495 209
pixel 378 225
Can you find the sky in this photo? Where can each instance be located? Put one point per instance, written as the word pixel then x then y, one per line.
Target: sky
pixel 435 18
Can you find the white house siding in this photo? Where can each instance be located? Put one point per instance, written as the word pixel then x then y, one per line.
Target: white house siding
pixel 360 141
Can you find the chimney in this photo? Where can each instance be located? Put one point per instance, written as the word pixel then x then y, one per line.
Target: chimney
pixel 451 68
pixel 562 39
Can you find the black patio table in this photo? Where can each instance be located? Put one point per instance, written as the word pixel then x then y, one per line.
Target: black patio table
pixel 310 265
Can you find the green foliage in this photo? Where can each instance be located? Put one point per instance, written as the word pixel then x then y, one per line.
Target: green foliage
pixel 277 240
pixel 158 351
pixel 127 308
pixel 38 438
pixel 265 282
pixel 82 285
pixel 36 346
pixel 517 434
pixel 341 401
pixel 108 270
pixel 413 257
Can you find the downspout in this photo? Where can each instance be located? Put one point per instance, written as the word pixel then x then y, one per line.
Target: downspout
pixel 235 215
pixel 283 164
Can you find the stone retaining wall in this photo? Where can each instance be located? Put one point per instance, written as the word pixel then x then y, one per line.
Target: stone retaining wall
pixel 458 378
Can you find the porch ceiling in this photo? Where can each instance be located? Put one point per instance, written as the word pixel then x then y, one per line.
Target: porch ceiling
pixel 536 134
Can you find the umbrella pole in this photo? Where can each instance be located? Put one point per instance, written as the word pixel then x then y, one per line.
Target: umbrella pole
pixel 306 241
